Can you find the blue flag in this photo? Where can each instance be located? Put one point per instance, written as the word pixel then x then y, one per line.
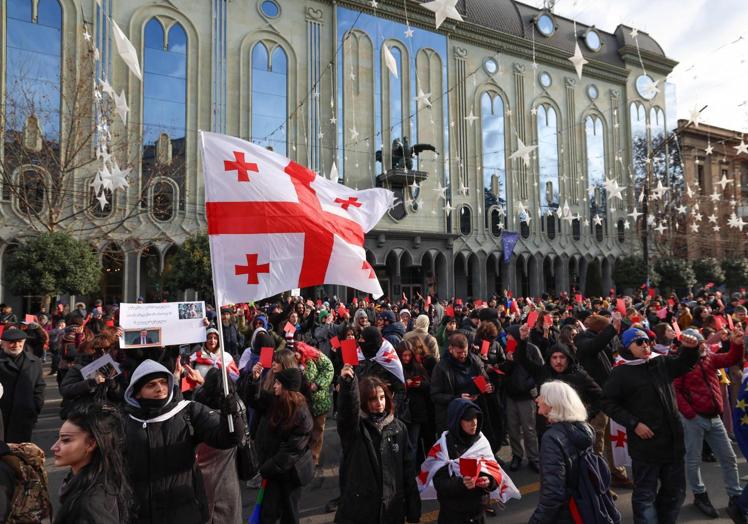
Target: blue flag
pixel 740 416
pixel 508 241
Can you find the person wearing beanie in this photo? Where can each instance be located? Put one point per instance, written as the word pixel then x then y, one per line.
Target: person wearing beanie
pixel 208 356
pixel 595 348
pixel 639 395
pixel 360 321
pixel 421 332
pixel 700 404
pixel 282 439
pixel 161 435
pixel 377 473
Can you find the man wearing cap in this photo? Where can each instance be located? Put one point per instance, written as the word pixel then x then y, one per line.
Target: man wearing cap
pixel 699 397
pixel 22 378
pixel 639 395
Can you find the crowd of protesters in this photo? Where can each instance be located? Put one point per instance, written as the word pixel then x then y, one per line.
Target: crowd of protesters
pixel 433 382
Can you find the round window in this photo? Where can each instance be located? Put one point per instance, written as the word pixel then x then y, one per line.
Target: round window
pixel 270 8
pixel 490 66
pixel 545 79
pixel 646 87
pixel 545 24
pixel 592 92
pixel 592 39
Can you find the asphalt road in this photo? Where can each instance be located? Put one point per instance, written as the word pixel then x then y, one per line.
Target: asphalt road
pixel 325 486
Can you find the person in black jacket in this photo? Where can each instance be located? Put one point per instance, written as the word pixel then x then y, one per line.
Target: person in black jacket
pixel 568 434
pixel 23 383
pixel 639 395
pixel 417 383
pixel 377 472
pixel 97 489
pixel 462 500
pixel 282 442
pixel 161 435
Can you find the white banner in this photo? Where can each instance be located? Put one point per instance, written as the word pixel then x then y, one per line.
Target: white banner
pixel 162 324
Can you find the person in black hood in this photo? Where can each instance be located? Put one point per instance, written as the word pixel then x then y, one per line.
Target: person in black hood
pixel 462 499
pixel 370 342
pixel 161 434
pixel 392 330
pixel 567 436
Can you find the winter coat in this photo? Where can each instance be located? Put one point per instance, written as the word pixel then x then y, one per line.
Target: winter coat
pixel 428 340
pixel 394 333
pixel 95 506
pixel 161 447
pixel 450 380
pixel 699 391
pixel 559 449
pixel 418 396
pixel 457 504
pixel 595 353
pixel 319 371
pixel 520 384
pixel 233 340
pixel 644 393
pixel 377 473
pixel 77 390
pixel 23 398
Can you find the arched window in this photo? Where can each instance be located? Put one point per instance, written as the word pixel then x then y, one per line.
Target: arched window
pixel 639 145
pixel 31 192
pixel 658 145
pixel 466 221
pixel 33 49
pixel 547 130
pixel 595 140
pixel 496 222
pixel 493 160
pixel 550 226
pixel 576 229
pixel 396 95
pixel 163 201
pixel 164 83
pixel 270 97
pixel 621 232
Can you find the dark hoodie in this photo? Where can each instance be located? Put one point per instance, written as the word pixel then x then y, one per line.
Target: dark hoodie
pixel 559 456
pixel 457 504
pixel 394 333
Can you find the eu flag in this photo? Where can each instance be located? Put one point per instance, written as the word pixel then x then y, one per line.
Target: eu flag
pixel 740 416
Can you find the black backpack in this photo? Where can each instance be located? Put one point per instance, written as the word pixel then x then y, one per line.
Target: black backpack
pixel 590 501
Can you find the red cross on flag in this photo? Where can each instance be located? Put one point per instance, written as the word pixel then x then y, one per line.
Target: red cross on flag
pixel 275 225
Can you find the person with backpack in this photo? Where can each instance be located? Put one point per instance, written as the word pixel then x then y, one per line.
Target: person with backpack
pixel 97 489
pixel 574 480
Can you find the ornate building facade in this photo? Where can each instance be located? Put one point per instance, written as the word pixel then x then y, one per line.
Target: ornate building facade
pixel 370 90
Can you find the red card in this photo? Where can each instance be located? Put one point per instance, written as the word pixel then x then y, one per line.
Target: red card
pixel 31 318
pixel 578 298
pixel 449 311
pixel 532 318
pixel 651 292
pixel 109 323
pixel 469 467
pixel 481 383
pixel 350 352
pixel 2 328
pixel 478 302
pixel 342 310
pixel 612 292
pixel 676 328
pixel 484 348
pixel 289 328
pixel 719 323
pixel 188 384
pixel 730 324
pixel 671 302
pixel 509 293
pixel 621 306
pixel 335 342
pixel 266 357
pixel 458 302
pixel 636 319
pixel 355 300
pixel 511 344
pixel 547 321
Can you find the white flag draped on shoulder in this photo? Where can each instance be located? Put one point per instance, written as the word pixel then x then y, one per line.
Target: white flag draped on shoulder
pixel 275 225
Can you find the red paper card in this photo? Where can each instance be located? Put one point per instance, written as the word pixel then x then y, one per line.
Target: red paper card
pixel 651 292
pixel 31 318
pixel 676 328
pixel 188 384
pixel 469 467
pixel 478 302
pixel 449 311
pixel 2 328
pixel 484 348
pixel 335 342
pixel 481 383
pixel 109 323
pixel 342 311
pixel 730 323
pixel 511 344
pixel 458 302
pixel 671 302
pixel 350 351
pixel 289 328
pixel 266 357
pixel 621 306
pixel 355 300
pixel 428 300
pixel 578 298
pixel 719 323
pixel 532 318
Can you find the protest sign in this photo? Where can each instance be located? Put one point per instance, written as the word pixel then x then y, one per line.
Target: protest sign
pixel 162 324
pixel 104 365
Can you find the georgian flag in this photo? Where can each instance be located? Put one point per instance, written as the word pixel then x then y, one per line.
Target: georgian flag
pixel 438 457
pixel 275 225
pixel 619 444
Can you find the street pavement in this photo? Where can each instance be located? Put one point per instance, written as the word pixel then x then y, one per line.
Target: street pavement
pixel 325 486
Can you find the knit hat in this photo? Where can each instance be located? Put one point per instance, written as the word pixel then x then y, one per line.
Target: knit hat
pixel 422 323
pixel 323 315
pixel 632 334
pixel 387 315
pixel 262 340
pixel 372 341
pixel 360 313
pixel 145 379
pixel 691 332
pixel 290 378
pixel 404 312
pixel 211 330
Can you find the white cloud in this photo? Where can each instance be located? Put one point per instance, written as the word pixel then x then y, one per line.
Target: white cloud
pixel 702 35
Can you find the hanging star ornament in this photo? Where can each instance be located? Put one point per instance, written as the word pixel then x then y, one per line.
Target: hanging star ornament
pixel 741 148
pixel 626 224
pixel 578 60
pixel 354 133
pixel 409 32
pixel 635 214
pixel 443 9
pixel 694 116
pixel 634 33
pixel 597 220
pixel 389 61
pixel 102 200
pixel 689 191
pixel 86 34
pixel 716 228
pixel 119 177
pixel 414 186
pixel 448 208
pixel 681 209
pixel 659 191
pixel 120 106
pixel 712 218
pixel 471 118
pixel 724 181
pixel 96 184
pixel 695 227
pixel 334 172
pixel 660 228
pixel 423 98
pixel 715 196
pixel 522 152
pixel 709 149
pixel 441 190
pixel 613 190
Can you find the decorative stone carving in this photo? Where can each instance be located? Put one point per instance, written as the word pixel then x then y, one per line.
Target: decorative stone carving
pixel 32 134
pixel 163 150
pixel 460 52
pixel 614 93
pixel 519 68
pixel 314 15
pixel 570 82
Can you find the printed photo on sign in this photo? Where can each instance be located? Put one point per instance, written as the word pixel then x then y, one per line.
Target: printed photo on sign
pixel 104 365
pixel 142 337
pixel 189 310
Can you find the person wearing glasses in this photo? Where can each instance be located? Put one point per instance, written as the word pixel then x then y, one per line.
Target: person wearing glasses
pixel 639 395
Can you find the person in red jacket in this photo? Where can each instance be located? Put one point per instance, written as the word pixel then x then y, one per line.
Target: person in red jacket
pixel 700 404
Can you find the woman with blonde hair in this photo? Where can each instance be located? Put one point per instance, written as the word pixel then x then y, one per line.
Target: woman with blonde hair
pixel 567 438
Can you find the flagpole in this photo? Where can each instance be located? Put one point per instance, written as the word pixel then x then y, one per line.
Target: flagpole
pixel 219 322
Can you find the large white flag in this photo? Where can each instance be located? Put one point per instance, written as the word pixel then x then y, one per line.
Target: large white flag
pixel 275 225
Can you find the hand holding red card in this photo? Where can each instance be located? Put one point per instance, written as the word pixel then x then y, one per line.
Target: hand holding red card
pixel 481 383
pixel 676 328
pixel 511 344
pixel 547 321
pixel 266 357
pixel 621 306
pixel 335 342
pixel 31 318
pixel 532 318
pixel 469 467
pixel 485 345
pixel 449 311
pixel 350 352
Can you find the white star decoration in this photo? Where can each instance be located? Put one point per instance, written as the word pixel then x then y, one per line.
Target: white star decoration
pixel 441 190
pixel 650 220
pixel 741 148
pixel 448 208
pixel 689 191
pixel 715 196
pixel 443 9
pixel 597 220
pixel 736 222
pixel 712 218
pixel 102 200
pixel 409 32
pixel 634 33
pixel 86 34
pixel 414 186
pixel 120 106
pixel 709 149
pixel 96 184
pixel 374 4
pixel 354 133
pixel 578 60
pixel 635 214
pixel 659 191
pixel 522 152
pixel 681 209
pixel 626 224
pixel 660 228
pixel 695 227
pixel 694 117
pixel 119 177
pixel 471 118
pixel 423 98
pixel 724 181
pixel 612 189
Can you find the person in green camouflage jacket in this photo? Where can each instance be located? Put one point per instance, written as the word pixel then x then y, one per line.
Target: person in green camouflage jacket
pixel 318 371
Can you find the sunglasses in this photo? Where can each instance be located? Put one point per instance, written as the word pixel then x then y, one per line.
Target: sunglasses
pixel 641 341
